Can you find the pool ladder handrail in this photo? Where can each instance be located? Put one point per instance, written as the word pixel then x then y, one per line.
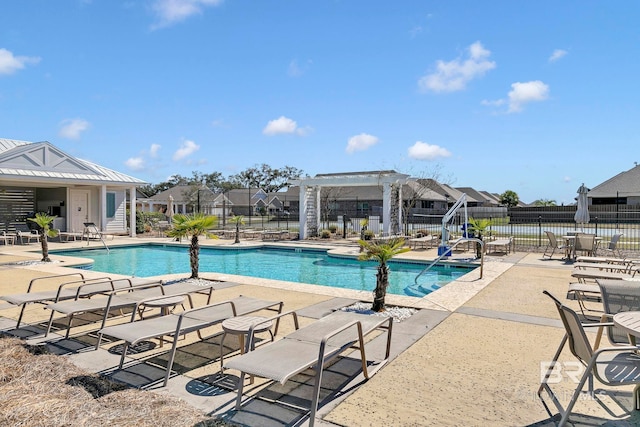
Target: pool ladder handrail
pixel 448 253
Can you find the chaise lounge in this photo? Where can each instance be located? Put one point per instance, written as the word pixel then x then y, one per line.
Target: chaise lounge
pixel 313 346
pixel 175 325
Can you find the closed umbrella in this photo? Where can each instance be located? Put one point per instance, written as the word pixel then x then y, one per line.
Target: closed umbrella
pixel 170 208
pixel 582 213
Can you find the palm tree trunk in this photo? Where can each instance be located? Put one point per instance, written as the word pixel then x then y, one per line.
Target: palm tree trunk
pixel 194 256
pixel 382 282
pixel 45 247
pixel 237 233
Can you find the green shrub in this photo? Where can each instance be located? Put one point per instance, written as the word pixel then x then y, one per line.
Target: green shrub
pixel 368 234
pixel 333 228
pixel 325 234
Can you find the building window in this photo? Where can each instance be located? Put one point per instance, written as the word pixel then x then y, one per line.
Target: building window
pixel 426 204
pixel 111 205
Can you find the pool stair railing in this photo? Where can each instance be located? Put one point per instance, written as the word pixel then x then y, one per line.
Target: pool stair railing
pixel 448 253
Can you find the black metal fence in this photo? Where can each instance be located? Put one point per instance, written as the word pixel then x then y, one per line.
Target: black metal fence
pixel 527 225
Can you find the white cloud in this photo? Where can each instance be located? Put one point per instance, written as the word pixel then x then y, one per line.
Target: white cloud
pixel 280 125
pixel 72 128
pixel 285 125
pixel 557 54
pixel 135 163
pixel 170 12
pixel 186 149
pixel 523 93
pixel 153 150
pixel 423 151
pixel 361 142
pixel 9 63
pixel 454 75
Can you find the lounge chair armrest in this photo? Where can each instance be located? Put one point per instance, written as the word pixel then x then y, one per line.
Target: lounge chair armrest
pixel 32 282
pixel 78 284
pixel 618 348
pixel 277 317
pixel 590 325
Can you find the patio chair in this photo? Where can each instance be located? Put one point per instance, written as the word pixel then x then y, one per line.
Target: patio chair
pixel 612 366
pixel 612 247
pixel 585 243
pixel 617 296
pixel 175 325
pixel 313 346
pixel 553 245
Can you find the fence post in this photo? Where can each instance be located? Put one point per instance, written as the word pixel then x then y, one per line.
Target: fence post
pixel 539 230
pixel 490 226
pixel 596 221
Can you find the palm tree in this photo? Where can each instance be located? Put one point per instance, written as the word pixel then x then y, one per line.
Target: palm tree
pixel 43 221
pixel 478 227
pixel 193 225
pixel 381 251
pixel 238 220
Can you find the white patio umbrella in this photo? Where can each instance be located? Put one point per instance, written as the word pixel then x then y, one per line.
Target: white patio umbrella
pixel 170 208
pixel 582 213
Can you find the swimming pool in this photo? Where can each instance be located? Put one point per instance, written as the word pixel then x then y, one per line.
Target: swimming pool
pixel 292 264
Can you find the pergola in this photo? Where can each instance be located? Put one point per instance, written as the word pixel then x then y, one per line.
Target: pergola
pixel 390 181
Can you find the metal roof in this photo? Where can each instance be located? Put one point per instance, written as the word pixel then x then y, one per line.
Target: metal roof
pixel 37 161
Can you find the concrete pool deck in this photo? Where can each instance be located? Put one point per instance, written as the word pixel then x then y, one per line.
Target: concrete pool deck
pixel 471 357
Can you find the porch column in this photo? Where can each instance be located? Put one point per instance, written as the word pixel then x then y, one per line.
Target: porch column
pixel 103 208
pixel 132 211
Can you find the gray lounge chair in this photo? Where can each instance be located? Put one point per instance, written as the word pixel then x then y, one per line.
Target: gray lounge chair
pixel 175 325
pixel 505 243
pixel 67 289
pixel 121 294
pixel 124 293
pixel 310 347
pixel 614 366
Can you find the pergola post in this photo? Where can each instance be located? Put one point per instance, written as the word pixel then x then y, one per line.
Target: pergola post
pixel 310 209
pixel 386 209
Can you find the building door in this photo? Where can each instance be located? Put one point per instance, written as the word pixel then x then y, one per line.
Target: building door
pixel 79 209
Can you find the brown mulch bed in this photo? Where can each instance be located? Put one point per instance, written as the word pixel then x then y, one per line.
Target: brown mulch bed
pixel 40 389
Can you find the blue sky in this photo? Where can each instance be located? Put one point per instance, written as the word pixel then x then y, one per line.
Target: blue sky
pixel 535 97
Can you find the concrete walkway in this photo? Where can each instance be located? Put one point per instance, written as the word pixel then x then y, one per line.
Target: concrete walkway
pixel 472 355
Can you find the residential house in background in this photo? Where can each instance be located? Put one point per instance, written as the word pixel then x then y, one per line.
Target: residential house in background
pixel 622 189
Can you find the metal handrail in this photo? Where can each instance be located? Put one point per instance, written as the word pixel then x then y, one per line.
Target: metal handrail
pixel 448 253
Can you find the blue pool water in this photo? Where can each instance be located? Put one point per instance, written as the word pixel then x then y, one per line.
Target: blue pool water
pixel 293 265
